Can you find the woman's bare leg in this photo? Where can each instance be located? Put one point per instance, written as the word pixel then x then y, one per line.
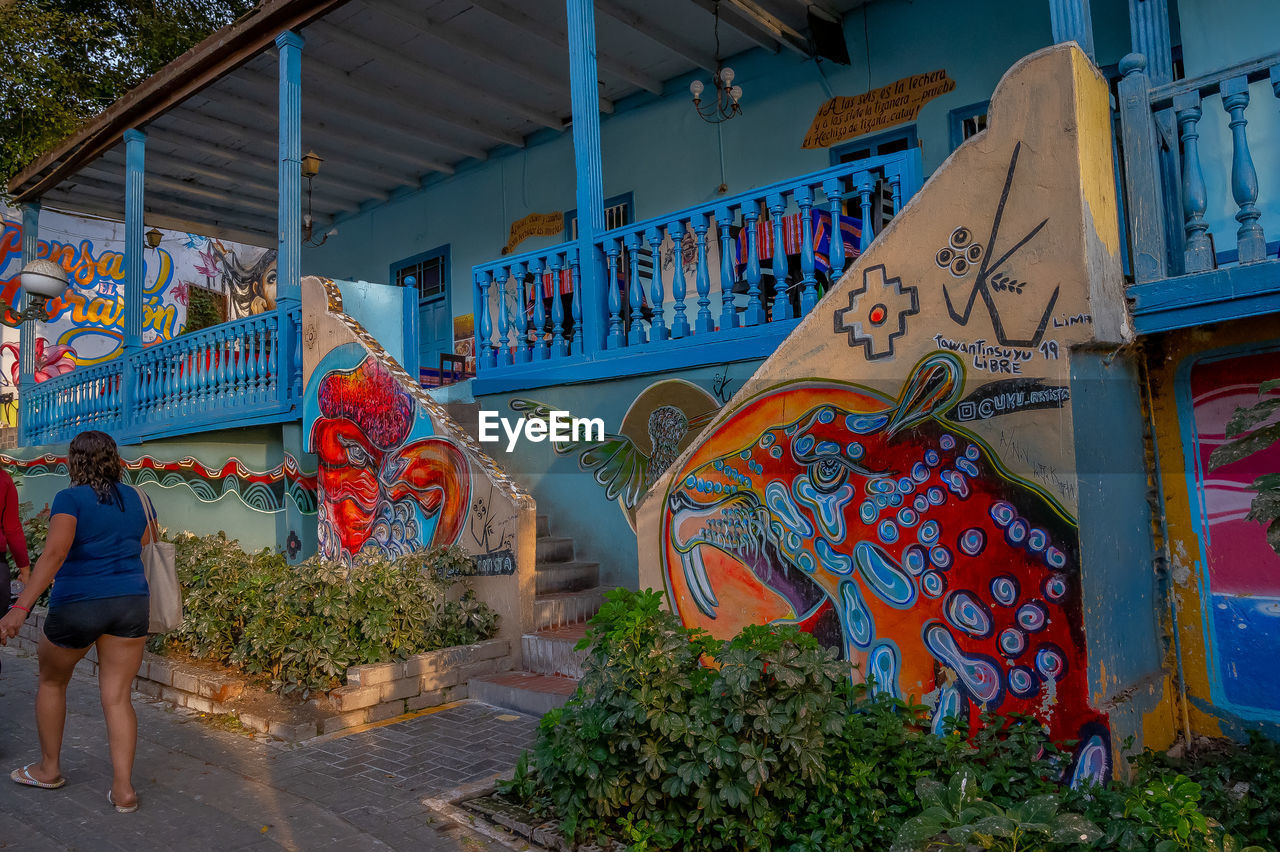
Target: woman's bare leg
pixel 56 666
pixel 118 662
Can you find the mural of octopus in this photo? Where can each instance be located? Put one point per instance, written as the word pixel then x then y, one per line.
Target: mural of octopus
pixel 384 485
pixel 897 539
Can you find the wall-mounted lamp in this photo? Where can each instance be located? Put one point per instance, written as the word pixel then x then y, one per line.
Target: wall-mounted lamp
pixel 153 238
pixel 311 164
pixel 42 280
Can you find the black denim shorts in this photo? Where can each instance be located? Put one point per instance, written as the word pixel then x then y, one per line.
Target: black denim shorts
pixel 79 624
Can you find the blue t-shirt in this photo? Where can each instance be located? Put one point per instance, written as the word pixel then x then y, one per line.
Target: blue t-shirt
pixel 105 560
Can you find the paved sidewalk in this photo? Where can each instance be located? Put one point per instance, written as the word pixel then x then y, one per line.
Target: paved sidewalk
pixel 206 789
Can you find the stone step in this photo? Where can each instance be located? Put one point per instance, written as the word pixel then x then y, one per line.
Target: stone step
pixel 565 577
pixel 552 651
pixel 556 609
pixel 523 692
pixel 553 549
pixel 543 526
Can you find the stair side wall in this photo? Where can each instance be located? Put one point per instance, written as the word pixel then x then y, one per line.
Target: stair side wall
pixel 904 476
pixel 396 473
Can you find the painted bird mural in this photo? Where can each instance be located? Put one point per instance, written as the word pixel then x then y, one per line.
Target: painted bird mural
pixel 658 426
pixel 897 539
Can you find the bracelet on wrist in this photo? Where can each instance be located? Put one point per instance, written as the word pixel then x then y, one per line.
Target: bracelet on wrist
pixel 19 606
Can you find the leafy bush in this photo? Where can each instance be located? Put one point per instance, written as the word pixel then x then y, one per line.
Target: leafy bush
pixel 305 625
pixel 676 740
pixel 36 526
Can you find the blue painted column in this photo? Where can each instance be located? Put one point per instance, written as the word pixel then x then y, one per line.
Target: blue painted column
pixel 289 215
pixel 134 268
pixel 585 89
pixel 26 332
pixel 1072 21
pixel 1149 27
pixel 135 142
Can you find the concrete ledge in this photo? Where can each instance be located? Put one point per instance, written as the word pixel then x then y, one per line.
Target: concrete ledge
pixel 373 693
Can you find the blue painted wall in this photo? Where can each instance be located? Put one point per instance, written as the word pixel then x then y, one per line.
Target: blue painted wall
pixel 387 312
pixel 658 149
pixel 577 504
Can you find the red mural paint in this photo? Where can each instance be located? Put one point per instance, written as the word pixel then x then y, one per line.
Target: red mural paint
pixel 896 538
pixel 378 488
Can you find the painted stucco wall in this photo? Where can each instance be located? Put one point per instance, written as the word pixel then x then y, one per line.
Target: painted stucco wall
pixel 657 149
pixel 1222 575
pixel 248 483
pixel 387 312
pixel 590 489
pixel 903 476
pixel 396 474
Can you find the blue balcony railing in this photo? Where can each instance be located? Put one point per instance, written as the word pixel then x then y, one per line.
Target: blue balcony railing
pixel 1178 184
pixel 702 285
pixel 235 374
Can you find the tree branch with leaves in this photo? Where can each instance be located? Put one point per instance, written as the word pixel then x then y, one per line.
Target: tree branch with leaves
pixel 1251 430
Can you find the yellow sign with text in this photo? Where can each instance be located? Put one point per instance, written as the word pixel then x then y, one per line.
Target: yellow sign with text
pixel 843 118
pixel 533 225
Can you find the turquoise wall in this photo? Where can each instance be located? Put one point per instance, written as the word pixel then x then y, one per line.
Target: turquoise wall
pixel 577 504
pixel 387 312
pixel 253 502
pixel 659 150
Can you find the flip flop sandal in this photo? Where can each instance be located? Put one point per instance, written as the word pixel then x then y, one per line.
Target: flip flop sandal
pixel 24 777
pixel 121 809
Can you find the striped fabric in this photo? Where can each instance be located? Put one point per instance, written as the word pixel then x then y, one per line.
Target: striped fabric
pixel 850 229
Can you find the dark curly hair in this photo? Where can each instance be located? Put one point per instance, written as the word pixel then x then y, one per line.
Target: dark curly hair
pixel 93 460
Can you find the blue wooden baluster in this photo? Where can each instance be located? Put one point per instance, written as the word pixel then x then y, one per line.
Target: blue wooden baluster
pixel 242 365
pixel 728 310
pixel 615 339
pixel 224 377
pixel 575 279
pixel 504 324
pixel 657 328
pixel 523 353
pixel 265 344
pixel 704 322
pixel 273 354
pixel 556 266
pixel 781 295
pixel 205 370
pixel 755 313
pixel 1195 197
pixel 486 356
pixel 635 292
pixel 833 188
pixel 540 349
pixel 679 323
pixel 808 262
pixel 1250 241
pixel 895 192
pixel 868 233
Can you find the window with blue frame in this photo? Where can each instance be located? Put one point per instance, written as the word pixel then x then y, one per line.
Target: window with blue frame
pixel 967 121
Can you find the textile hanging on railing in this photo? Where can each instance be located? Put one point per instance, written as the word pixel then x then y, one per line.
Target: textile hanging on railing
pixel 792 233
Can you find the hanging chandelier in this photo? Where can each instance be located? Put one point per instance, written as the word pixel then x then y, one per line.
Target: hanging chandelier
pixel 726 104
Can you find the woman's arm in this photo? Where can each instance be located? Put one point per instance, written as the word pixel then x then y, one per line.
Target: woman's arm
pixel 15 537
pixel 62 531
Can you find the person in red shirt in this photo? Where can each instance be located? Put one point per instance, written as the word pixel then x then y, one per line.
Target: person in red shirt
pixel 12 537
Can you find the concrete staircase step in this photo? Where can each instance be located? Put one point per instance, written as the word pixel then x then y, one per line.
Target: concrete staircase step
pixel 557 609
pixel 543 526
pixel 523 692
pixel 566 577
pixel 551 651
pixel 553 549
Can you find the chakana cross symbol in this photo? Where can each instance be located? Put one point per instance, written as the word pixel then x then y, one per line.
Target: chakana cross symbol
pixel 877 313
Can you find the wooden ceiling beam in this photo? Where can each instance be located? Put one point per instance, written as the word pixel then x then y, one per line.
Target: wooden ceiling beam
pixel 651 30
pixel 553 35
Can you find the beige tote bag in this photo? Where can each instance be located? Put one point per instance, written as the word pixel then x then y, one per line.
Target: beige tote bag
pixel 159 561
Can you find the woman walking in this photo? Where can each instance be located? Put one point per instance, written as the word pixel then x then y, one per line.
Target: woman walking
pixel 97 529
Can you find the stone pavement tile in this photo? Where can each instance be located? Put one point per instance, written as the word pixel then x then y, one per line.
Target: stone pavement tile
pixel 207 789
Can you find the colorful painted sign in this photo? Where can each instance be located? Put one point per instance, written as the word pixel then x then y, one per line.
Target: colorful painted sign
pixel 89 318
pixel 843 118
pixel 533 225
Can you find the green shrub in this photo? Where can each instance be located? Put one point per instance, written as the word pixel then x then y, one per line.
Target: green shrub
pixel 676 740
pixel 305 625
pixel 36 526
